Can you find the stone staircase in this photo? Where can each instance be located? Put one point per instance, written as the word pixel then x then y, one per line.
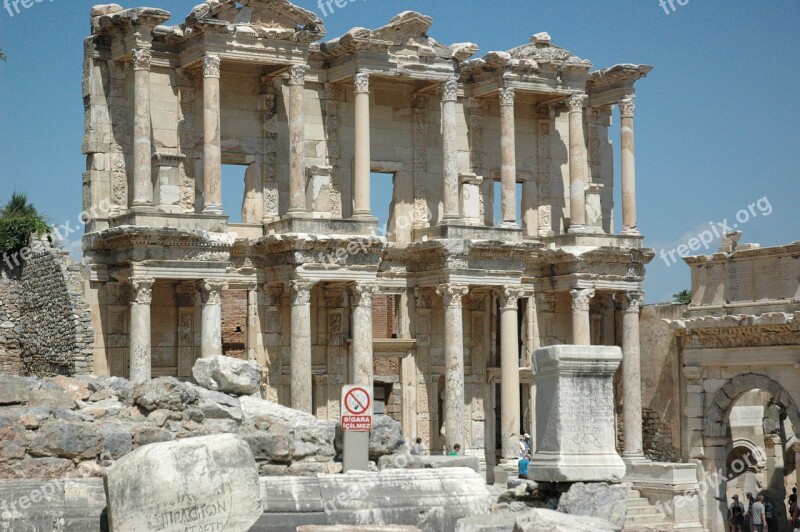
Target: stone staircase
pixel 643 516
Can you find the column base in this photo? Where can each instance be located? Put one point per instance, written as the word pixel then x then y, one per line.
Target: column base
pixel 635 459
pixel 215 210
pixel 630 231
pixel 577 229
pixel 510 225
pixel 505 470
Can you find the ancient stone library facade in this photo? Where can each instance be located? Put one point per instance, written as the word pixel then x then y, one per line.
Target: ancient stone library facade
pixel 443 309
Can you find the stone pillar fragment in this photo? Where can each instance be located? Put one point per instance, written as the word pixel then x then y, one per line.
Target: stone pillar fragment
pixel 297 157
pixel 450 148
pixel 508 177
pixel 363 157
pixel 575 436
pixel 581 321
pixel 140 335
pixel 301 379
pixel 212 148
pixel 362 333
pixel 632 375
pixel 628 166
pixel 509 364
pixel 211 318
pixel 253 325
pixel 577 164
pixel 454 364
pixel 142 166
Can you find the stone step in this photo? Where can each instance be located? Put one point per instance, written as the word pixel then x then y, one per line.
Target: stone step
pixel 636 503
pixel 642 510
pixel 654 516
pixel 633 494
pixel 653 527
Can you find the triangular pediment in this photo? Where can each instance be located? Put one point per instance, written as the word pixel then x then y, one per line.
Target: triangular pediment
pixel 279 18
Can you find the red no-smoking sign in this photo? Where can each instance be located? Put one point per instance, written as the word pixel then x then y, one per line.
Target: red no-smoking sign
pixel 357 408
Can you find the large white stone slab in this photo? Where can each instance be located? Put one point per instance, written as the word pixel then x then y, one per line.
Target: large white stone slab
pixel 575 435
pixel 204 484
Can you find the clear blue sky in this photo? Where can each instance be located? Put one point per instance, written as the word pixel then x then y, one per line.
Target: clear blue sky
pixel 717 120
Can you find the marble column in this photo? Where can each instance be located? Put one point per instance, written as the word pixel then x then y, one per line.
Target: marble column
pixel 450 150
pixel 631 375
pixel 301 381
pixel 581 321
pixel 142 149
pixel 577 164
pixel 628 166
pixel 297 124
pixel 212 148
pixel 363 157
pixel 362 333
pixel 508 149
pixel 253 324
pixel 509 366
pixel 140 336
pixel 454 364
pixel 211 319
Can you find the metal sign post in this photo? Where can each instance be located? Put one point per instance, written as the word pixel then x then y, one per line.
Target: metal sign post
pixel 356 424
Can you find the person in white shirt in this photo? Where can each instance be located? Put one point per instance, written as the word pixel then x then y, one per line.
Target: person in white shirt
pixel 758 518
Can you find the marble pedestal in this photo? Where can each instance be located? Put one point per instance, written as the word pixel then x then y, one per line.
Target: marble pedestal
pixel 575 437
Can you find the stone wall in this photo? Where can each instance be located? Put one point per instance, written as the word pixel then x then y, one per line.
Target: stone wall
pixel 660 381
pixel 45 323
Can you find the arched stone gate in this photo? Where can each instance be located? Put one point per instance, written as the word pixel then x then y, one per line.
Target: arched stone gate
pixel 716 437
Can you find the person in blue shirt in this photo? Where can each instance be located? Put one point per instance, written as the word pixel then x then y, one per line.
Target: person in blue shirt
pixel 523 466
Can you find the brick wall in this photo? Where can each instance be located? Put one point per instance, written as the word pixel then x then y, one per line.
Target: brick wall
pixel 45 323
pixel 384 316
pixel 234 323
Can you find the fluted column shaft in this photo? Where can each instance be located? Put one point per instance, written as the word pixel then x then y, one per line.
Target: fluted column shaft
pixel 454 364
pixel 577 164
pixel 211 318
pixel 301 380
pixel 581 322
pixel 362 333
pixel 631 374
pixel 297 139
pixel 508 148
pixel 212 148
pixel 450 150
pixel 509 367
pixel 142 149
pixel 140 335
pixel 363 157
pixel 628 166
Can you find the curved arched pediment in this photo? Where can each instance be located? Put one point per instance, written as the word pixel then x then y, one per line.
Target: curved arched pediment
pixel 282 18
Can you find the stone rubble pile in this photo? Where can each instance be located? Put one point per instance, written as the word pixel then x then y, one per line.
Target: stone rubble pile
pixel 57 427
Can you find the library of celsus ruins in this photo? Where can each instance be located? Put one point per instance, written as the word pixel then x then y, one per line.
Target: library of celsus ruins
pixel 501 234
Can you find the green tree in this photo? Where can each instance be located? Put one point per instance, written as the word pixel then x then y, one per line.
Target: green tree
pixel 18 221
pixel 684 296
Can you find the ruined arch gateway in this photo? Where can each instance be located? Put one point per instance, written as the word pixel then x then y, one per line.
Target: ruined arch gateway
pixel 252 83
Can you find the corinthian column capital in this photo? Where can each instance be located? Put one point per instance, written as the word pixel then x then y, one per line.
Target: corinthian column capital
pixel 452 294
pixel 142 290
pixel 362 293
pixel 211 66
pixel 509 296
pixel 576 102
pixel 507 97
pixel 361 81
pixel 627 107
pixel 630 301
pixel 297 74
pixel 581 299
pixel 142 58
pixel 212 291
pixel 301 292
pixel 450 91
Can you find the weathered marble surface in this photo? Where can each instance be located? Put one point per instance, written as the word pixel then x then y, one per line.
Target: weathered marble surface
pixel 227 375
pixel 206 483
pixel 575 435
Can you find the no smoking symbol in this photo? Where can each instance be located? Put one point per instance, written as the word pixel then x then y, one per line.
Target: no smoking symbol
pixel 357 401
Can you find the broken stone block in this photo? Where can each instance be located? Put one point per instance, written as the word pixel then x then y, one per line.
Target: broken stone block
pixel 550 521
pixel 605 501
pixel 205 483
pixel 228 375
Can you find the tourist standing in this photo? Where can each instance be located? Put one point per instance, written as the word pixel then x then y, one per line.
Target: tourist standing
pixel 758 517
pixel 523 466
pixel 418 449
pixel 456 450
pixel 736 515
pixel 525 445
